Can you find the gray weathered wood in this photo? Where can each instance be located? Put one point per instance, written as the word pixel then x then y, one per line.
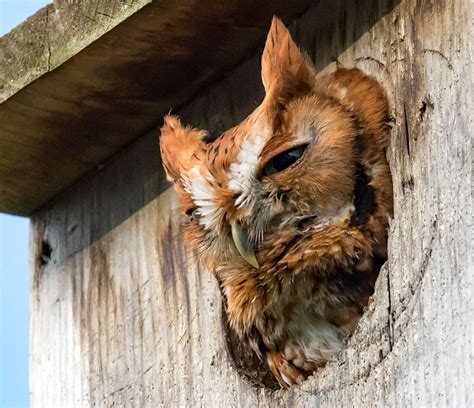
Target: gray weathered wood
pixel 123 317
pixel 55 34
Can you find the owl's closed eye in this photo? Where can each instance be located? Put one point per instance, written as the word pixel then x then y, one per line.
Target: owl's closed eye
pixel 289 209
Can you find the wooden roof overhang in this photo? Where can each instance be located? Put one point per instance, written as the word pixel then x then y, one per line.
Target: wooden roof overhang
pixel 81 81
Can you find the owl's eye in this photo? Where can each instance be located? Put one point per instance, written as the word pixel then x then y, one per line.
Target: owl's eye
pixel 283 160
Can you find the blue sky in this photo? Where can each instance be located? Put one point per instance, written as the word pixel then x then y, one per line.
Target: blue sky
pixel 13 12
pixel 14 266
pixel 13 311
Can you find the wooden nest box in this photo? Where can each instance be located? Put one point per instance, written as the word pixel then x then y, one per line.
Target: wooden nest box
pixel 120 314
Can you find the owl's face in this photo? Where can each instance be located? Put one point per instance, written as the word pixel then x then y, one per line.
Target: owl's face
pixel 255 199
pixel 261 174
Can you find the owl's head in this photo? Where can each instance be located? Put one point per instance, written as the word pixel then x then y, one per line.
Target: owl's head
pixel 291 168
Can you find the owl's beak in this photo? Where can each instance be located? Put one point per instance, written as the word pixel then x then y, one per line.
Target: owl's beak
pixel 243 244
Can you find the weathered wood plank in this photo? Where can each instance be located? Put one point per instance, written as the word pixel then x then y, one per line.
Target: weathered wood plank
pixel 131 321
pixel 55 34
pixel 126 318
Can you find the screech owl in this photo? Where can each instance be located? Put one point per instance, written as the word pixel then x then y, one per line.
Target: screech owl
pixel 289 209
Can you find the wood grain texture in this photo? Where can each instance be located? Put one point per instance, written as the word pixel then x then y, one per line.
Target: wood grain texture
pixel 123 323
pixel 126 318
pixel 54 34
pixel 79 81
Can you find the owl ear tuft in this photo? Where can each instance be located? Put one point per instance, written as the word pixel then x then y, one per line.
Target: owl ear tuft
pixel 181 148
pixel 286 71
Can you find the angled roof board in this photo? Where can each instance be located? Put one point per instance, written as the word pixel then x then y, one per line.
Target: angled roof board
pixel 78 82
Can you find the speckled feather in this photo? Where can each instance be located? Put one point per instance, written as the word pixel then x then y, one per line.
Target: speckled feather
pixel 318 228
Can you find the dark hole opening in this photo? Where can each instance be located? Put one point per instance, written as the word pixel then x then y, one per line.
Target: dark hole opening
pixel 46 253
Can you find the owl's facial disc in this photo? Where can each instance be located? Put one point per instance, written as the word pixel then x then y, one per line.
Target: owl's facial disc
pixel 243 245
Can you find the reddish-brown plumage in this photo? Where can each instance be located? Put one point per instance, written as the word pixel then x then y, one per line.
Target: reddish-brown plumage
pixel 290 208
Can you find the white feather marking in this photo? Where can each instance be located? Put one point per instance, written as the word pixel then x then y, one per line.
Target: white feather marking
pixel 377 169
pixel 342 93
pixel 228 292
pixel 242 171
pixel 201 189
pixel 338 215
